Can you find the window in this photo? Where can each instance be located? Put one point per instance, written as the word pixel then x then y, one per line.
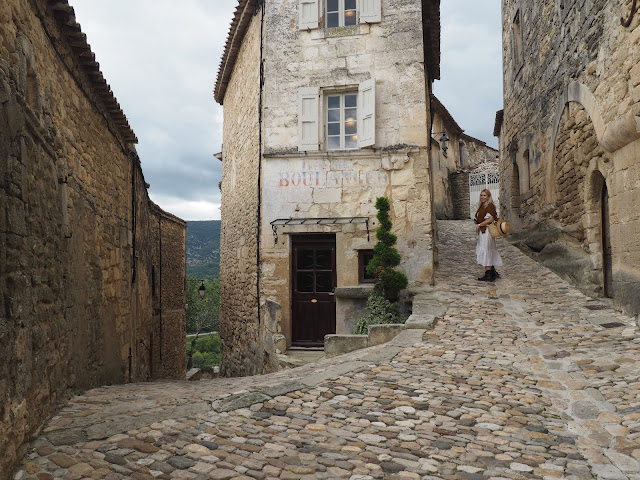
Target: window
pixel 338 13
pixel 364 257
pixel 517 55
pixel 348 118
pixel 341 13
pixel 342 121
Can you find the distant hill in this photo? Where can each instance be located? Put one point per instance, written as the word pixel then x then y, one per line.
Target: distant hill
pixel 203 248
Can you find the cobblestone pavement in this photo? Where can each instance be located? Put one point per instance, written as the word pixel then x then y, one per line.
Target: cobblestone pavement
pixel 526 378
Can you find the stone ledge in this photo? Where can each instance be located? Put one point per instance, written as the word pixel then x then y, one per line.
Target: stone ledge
pixel 359 291
pixel 339 344
pixel 421 322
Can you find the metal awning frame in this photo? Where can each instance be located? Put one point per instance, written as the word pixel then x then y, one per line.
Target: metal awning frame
pixel 281 222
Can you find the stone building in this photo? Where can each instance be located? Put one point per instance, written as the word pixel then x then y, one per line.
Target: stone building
pixel 454 155
pixel 326 107
pixel 570 139
pixel 91 271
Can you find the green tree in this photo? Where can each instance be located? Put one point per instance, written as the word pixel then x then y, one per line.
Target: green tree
pixel 202 312
pixel 382 302
pixel 389 281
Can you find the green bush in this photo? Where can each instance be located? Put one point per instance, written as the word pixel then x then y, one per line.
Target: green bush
pixel 381 311
pixel 206 352
pixel 389 281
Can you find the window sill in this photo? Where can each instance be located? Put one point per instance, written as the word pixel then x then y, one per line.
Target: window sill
pixel 337 32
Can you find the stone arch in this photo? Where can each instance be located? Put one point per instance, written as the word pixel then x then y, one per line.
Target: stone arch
pixel 578 93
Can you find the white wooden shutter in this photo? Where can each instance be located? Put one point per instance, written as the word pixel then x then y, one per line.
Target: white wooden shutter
pixel 308 131
pixel 370 11
pixel 367 113
pixel 308 14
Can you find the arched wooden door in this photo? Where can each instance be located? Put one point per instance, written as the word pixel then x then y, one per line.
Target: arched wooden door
pixel 607 260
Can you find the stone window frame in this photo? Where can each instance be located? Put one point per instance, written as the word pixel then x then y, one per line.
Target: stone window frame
pixel 517 49
pixel 364 257
pixel 313 116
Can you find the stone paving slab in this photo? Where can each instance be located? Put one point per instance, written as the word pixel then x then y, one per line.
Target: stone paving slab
pixel 525 378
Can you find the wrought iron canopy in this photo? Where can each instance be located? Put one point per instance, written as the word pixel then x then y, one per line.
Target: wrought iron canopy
pixel 281 222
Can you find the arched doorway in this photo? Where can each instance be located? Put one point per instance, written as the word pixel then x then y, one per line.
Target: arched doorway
pixel 515 190
pixel 607 258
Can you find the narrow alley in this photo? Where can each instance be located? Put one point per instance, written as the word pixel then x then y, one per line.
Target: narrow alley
pixel 523 378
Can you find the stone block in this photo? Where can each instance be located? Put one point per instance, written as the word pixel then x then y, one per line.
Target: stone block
pixel 339 344
pixel 379 334
pixel 280 342
pixel 421 322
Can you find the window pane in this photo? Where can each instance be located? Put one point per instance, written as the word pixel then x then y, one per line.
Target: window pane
pixel 304 282
pixel 323 259
pixel 323 282
pixel 349 18
pixel 332 5
pixel 334 143
pixel 334 102
pixel 349 4
pixel 350 115
pixel 305 259
pixel 333 115
pixel 333 129
pixel 350 128
pixel 350 100
pixel 351 141
pixel 332 20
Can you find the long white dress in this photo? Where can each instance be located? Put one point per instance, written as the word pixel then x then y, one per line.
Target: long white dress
pixel 486 252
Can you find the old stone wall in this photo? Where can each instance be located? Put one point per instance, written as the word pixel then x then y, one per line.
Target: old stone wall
pixel 239 323
pixel 571 116
pixel 74 227
pixel 474 152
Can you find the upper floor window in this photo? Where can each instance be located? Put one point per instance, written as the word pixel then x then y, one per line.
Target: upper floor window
pixel 341 13
pixel 337 13
pixel 517 54
pixel 348 117
pixel 342 121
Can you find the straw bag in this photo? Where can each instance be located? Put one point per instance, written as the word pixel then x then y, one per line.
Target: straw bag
pixel 499 228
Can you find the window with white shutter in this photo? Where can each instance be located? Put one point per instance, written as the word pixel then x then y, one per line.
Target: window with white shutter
pixel 367 113
pixel 308 14
pixel 308 128
pixel 370 11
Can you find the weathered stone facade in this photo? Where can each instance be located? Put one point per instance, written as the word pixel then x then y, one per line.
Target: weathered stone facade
pixel 569 139
pixel 272 174
pixel 81 241
pixel 452 162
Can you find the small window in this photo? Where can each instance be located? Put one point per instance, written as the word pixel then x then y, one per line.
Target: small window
pixel 342 121
pixel 341 13
pixel 364 257
pixel 516 43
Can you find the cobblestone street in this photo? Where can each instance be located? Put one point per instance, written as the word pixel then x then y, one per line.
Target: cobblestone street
pixel 525 378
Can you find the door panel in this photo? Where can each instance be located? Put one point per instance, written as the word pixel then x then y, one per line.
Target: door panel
pixel 313 281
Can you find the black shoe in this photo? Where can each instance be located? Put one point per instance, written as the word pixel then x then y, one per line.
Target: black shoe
pixel 495 273
pixel 488 276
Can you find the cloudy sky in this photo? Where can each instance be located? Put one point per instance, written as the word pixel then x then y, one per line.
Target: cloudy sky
pixel 161 59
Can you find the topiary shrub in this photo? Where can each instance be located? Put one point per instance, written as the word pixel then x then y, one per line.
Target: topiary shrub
pixel 389 281
pixel 382 301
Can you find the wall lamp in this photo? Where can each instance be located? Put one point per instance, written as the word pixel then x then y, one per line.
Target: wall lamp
pixel 443 141
pixel 201 289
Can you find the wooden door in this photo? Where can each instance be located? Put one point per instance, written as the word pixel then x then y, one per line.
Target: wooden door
pixel 313 282
pixel 607 258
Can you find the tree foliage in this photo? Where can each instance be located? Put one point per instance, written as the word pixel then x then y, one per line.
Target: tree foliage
pixel 202 312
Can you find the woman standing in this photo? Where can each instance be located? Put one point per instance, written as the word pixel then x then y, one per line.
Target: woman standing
pixel 486 253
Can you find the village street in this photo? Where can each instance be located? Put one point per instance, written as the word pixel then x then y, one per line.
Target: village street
pixel 524 378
